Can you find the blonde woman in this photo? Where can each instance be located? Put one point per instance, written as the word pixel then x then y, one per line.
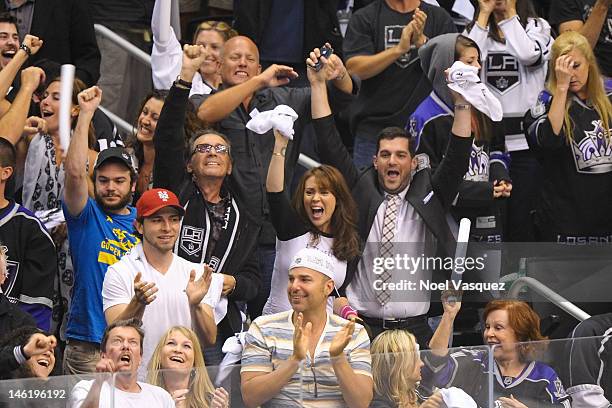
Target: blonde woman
pixel 396 368
pixel 177 365
pixel 569 128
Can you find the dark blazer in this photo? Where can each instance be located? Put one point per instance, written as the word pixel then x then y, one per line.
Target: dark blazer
pixel 431 194
pixel 66 27
pixel 169 172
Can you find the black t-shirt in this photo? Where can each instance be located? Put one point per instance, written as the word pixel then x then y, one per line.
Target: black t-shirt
pixel 129 11
pixel 390 97
pixel 562 11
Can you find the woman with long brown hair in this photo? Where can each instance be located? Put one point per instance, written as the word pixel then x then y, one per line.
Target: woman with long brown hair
pixel 486 182
pixel 322 215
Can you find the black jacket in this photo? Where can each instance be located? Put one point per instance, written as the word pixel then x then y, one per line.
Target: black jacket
pixel 320 22
pixel 66 27
pixel 170 173
pixel 368 193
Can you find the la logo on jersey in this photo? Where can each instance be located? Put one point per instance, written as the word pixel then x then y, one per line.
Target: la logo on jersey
pixel 593 153
pixel 502 72
pixel 393 34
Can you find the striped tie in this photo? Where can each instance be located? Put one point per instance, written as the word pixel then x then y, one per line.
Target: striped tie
pixel 386 243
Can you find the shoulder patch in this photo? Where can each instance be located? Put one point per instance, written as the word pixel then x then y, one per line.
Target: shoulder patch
pixel 539 108
pixel 422 161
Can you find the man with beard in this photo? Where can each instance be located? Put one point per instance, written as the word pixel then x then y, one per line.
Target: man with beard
pixel 154 285
pixel 100 232
pixel 121 352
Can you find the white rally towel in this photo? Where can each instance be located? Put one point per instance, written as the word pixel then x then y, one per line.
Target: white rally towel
pixel 457 398
pixel 233 354
pixel 280 118
pixel 464 79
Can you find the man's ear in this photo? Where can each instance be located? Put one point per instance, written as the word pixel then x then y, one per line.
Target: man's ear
pixel 329 286
pixel 414 164
pixel 6 173
pixel 229 168
pixel 138 226
pixel 259 69
pixel 375 161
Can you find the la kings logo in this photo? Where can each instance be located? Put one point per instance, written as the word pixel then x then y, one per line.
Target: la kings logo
pixel 12 270
pixel 502 72
pixel 478 169
pixel 393 34
pixel 593 153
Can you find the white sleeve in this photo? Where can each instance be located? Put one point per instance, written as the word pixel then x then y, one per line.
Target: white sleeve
pixel 588 396
pixel 480 36
pixel 116 289
pixel 213 295
pixel 166 58
pixel 531 44
pixel 79 394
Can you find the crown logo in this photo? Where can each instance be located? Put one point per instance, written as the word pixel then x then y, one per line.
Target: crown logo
pixel 163 195
pixel 501 83
pixel 593 153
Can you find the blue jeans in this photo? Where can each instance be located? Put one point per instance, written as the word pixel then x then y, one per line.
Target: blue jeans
pixel 266 255
pixel 363 152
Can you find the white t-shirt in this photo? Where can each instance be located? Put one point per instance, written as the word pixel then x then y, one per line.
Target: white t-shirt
pixel 170 308
pixel 150 396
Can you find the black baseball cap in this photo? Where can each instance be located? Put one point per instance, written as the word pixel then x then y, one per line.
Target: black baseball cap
pixel 118 154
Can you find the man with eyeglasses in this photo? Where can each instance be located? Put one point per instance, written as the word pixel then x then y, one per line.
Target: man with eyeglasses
pixel 306 355
pixel 216 229
pixel 246 88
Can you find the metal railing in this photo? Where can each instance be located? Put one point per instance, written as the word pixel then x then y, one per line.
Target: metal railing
pixel 145 58
pixel 547 293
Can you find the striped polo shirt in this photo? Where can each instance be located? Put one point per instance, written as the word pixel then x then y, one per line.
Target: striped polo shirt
pixel 269 341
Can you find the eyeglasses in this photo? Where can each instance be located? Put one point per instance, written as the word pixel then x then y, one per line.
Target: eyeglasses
pixel 207 148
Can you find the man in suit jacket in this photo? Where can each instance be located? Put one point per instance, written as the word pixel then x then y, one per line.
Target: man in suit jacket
pixel 67 30
pixel 422 200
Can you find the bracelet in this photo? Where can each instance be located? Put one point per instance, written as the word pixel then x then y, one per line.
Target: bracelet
pixel 26 49
pixel 182 82
pixel 463 106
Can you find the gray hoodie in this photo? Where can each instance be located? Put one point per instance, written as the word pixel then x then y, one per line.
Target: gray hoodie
pixel 437 56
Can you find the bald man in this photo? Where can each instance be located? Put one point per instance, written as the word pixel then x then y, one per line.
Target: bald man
pixel 245 88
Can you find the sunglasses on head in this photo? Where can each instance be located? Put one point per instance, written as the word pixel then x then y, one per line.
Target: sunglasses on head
pixel 214 25
pixel 207 148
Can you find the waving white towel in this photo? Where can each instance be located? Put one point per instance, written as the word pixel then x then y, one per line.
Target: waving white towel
pixel 280 118
pixel 464 79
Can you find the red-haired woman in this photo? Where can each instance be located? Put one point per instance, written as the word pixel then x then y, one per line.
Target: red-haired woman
pixel 520 381
pixel 322 215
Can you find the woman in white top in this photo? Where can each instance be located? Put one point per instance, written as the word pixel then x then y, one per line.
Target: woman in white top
pixel 167 55
pixel 515 47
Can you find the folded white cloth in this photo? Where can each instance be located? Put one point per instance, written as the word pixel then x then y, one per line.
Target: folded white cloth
pixel 51 218
pixel 280 118
pixel 233 354
pixel 457 398
pixel 464 79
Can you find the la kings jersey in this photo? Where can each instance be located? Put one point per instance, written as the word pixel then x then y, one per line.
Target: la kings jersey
pixel 515 71
pixel 537 386
pixel 31 261
pixel 588 373
pixel 577 182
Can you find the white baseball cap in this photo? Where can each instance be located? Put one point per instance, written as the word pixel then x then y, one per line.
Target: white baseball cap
pixel 316 260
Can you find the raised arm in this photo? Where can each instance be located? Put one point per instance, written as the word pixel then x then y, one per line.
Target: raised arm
pixel 9 72
pixel 591 28
pixel 202 318
pixel 532 43
pixel 166 55
pixel 75 166
pixel 169 167
pixel 368 66
pixel 441 337
pixel 563 69
pixel 14 120
pixel 219 105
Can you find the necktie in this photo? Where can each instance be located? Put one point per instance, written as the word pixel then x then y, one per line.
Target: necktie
pixel 386 242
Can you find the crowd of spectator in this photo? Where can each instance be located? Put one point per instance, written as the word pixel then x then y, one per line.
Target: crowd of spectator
pixel 147 257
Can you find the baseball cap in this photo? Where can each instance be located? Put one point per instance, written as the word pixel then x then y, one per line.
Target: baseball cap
pixel 115 153
pixel 316 260
pixel 154 200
